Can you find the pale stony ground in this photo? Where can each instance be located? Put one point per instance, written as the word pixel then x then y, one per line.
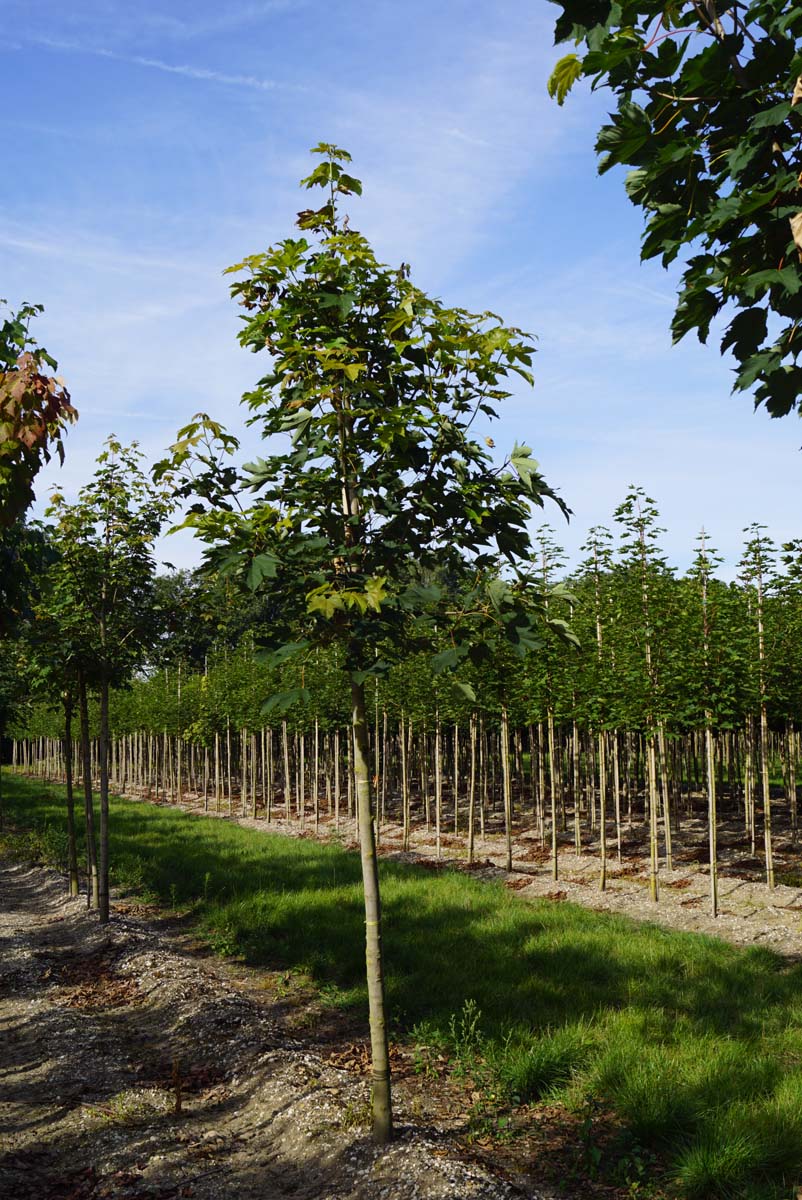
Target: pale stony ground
pixel 97 1028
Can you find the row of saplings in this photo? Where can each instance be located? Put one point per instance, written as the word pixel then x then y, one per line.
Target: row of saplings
pixel 608 793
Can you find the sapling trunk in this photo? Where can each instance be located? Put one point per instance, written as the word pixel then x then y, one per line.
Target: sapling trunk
pixel 710 764
pixel 505 770
pixel 661 741
pixel 103 763
pixel 438 783
pixel 336 780
pixel 472 787
pixel 555 868
pixel 616 795
pixel 72 849
pixel 404 787
pixel 456 780
pixel 792 781
pixel 92 891
pixel 764 773
pixel 602 814
pixel 285 747
pixel 575 786
pixel 651 767
pixel 380 1057
pixel 316 777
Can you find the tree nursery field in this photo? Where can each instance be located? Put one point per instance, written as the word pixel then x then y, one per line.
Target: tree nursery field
pixel 384 853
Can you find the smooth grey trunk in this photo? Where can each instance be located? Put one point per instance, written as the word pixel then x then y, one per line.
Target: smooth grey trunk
pixel 555 866
pixel 404 786
pixel 380 1056
pixel 285 747
pixel 438 783
pixel 651 764
pixel 764 775
pixel 602 813
pixel 616 795
pixel 92 897
pixel 103 765
pixel 575 787
pixel 661 742
pixel 472 788
pixel 505 771
pixel 710 764
pixel 72 848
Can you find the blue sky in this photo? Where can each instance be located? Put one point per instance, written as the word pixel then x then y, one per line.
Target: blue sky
pixel 149 146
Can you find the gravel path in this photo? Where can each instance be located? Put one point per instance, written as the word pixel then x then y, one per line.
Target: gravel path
pixel 100 1029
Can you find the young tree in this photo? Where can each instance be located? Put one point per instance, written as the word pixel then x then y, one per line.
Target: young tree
pixel 373 486
pixel 647 575
pixel 707 114
pixel 758 575
pixel 103 593
pixel 704 563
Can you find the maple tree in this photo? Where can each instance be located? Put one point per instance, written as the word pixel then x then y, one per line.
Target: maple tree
pixel 374 487
pixel 707 116
pixel 35 409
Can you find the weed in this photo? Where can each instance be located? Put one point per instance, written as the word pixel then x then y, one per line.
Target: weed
pixel 223 940
pixel 465 1038
pixel 130 1108
pixel 357 1114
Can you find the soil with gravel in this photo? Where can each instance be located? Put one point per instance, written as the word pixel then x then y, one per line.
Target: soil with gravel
pixel 134 1065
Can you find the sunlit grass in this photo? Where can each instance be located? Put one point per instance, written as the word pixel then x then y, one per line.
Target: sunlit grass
pixel 695 1045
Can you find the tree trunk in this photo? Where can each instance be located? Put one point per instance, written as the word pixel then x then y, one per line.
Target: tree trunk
pixel 72 849
pixel 555 867
pixel 710 762
pixel 103 763
pixel 505 771
pixel 602 813
pixel 89 810
pixel 654 887
pixel 472 788
pixel 382 1104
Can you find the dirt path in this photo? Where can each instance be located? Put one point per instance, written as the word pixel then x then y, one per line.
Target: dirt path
pixel 99 1030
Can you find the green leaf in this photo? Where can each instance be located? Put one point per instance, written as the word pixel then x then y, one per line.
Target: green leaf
pixel 447 659
pixel 280 702
pixel 263 567
pixel 274 658
pixel 498 591
pixel 464 689
pixel 563 77
pixel 524 464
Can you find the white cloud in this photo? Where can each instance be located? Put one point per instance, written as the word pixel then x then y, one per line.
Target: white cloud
pixel 203 74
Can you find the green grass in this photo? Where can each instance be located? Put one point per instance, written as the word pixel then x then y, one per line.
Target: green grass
pixel 695 1045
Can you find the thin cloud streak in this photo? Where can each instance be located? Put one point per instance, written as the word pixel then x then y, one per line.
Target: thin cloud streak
pixel 65 247
pixel 203 74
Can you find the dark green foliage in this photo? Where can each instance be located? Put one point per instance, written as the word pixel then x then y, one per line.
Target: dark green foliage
pixel 359 521
pixel 706 116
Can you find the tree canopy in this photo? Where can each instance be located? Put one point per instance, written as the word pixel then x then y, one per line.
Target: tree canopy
pixel 707 117
pixel 34 410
